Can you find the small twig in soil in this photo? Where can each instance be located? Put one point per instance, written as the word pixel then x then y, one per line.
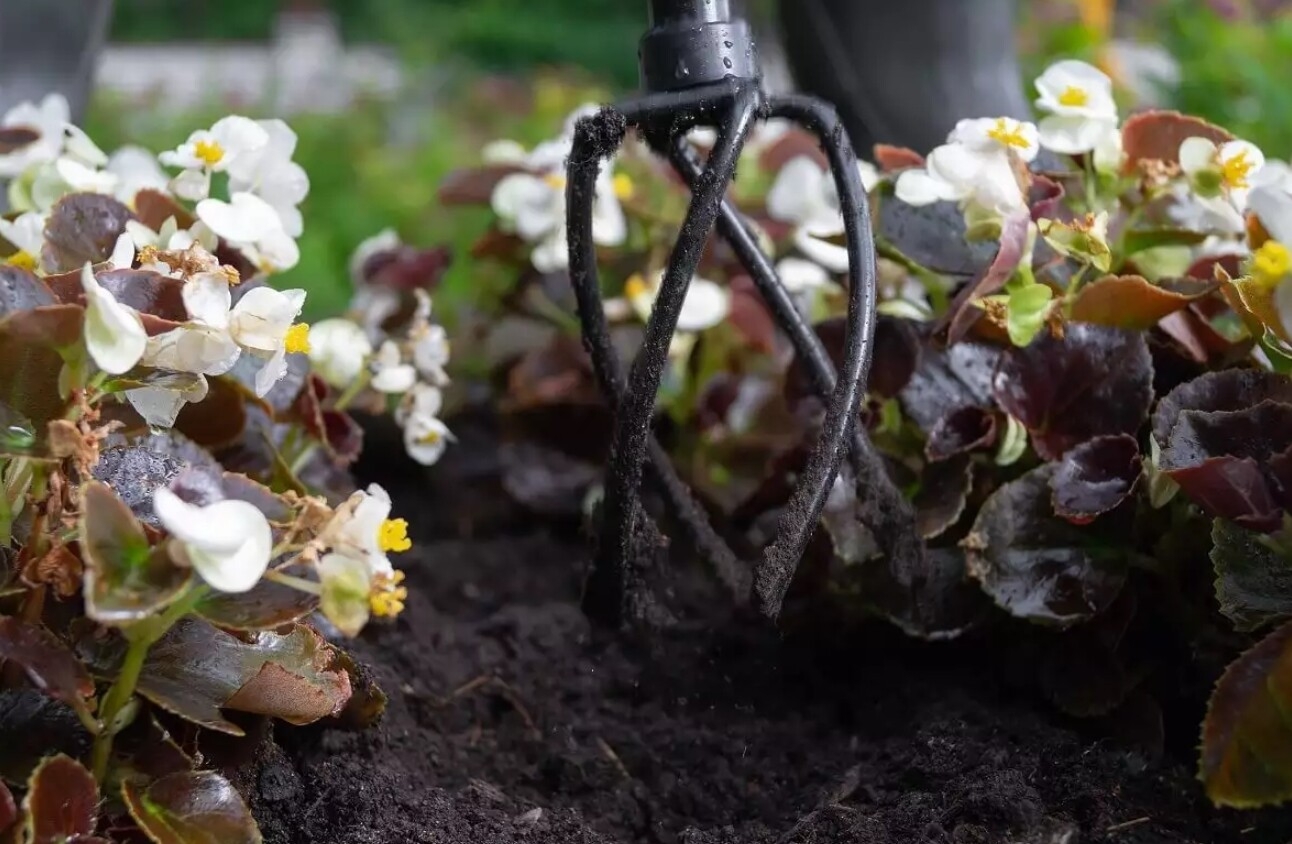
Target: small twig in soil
pixel 609 753
pixel 1126 825
pixel 832 800
pixel 507 692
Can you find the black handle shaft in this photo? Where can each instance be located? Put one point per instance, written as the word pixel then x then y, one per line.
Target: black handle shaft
pixel 664 12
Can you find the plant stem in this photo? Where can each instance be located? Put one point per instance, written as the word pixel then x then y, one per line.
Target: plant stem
pixel 352 392
pixel 298 583
pixel 142 636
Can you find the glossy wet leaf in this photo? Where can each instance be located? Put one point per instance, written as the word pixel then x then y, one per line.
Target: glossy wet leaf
pixel 30 351
pixel 125 579
pixel 1137 240
pixel 928 595
pixel 1228 390
pixel 83 227
pixel 197 807
pixel 197 669
pixel 1132 302
pixel 946 379
pixel 960 432
pixel 1034 564
pixel 134 473
pixel 1225 461
pixel 1253 582
pixel 1013 244
pixel 33 726
pixel 1246 756
pixel 1095 477
pixel 1094 381
pixel 218 420
pixel 898 351
pixel 932 236
pixel 21 290
pixel 146 291
pixel 267 606
pixel 62 802
pixel 48 663
pixel 1157 135
pixel 943 495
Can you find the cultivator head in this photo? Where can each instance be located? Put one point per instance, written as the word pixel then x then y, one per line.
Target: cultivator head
pixel 699 67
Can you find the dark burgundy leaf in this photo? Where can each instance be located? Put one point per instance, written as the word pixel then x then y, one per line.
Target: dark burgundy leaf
pixel 897 353
pixel 62 802
pixel 1034 564
pixel 340 435
pixel 944 491
pixel 961 431
pixel 1231 389
pixel 1045 197
pixel 21 290
pixel 932 236
pixel 1253 582
pixel 795 143
pixel 83 227
pixel 1205 268
pixel 194 807
pixel 1095 477
pixel 890 159
pixel 1221 461
pixel 750 317
pixel 1246 735
pixel 928 596
pixel 1131 302
pixel 33 726
pixel 8 809
pixel 1093 381
pixel 12 139
pixel 1157 135
pixel 475 186
pixel 407 268
pixel 964 313
pixel 145 291
pixel 219 419
pixel 46 661
pixel 959 376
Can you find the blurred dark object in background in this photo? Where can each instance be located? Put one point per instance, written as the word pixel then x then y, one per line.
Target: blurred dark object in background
pixel 48 46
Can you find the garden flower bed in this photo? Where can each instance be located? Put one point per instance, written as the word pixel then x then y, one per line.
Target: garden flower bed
pixel 222 621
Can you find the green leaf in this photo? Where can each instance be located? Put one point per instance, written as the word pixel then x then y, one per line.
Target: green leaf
pixel 1028 306
pixel 1247 735
pixel 47 662
pixel 1034 564
pixel 62 802
pixel 125 578
pixel 1138 240
pixel 198 807
pixel 196 669
pixel 1253 582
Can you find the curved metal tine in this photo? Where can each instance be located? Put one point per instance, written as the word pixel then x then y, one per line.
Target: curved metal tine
pixel 732 226
pixel 774 572
pixel 606 591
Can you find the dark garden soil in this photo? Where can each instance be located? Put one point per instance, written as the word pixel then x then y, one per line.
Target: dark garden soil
pixel 510 719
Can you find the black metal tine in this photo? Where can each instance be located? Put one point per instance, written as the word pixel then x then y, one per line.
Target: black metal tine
pixel 607 591
pixel 774 573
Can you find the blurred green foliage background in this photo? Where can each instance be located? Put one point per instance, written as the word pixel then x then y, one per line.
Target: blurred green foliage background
pixel 379 165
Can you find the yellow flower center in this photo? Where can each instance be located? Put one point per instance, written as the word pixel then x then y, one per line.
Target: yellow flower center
pixel 1073 96
pixel 393 535
pixel 1008 135
pixel 624 187
pixel 1235 170
pixel 430 438
pixel 297 339
pixel 23 260
pixel 636 287
pixel 555 180
pixel 388 597
pixel 209 152
pixel 1271 264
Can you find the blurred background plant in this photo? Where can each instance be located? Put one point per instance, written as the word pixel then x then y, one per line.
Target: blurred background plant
pixel 489 69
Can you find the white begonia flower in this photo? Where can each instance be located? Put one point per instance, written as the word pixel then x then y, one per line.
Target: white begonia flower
pixel 251 225
pixel 49 119
pixel 27 232
pixel 806 196
pixel 974 166
pixel 217 148
pixel 426 437
pixel 504 152
pixel 1227 170
pixel 123 253
pixel 203 345
pixel 136 170
pixel 429 342
pixel 533 207
pixel 383 241
pixel 760 138
pixel 228 543
pixel 339 350
pixel 706 303
pixel 114 334
pixel 264 324
pixel 390 373
pixel 362 528
pixel 270 173
pixel 800 276
pixel 1079 100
